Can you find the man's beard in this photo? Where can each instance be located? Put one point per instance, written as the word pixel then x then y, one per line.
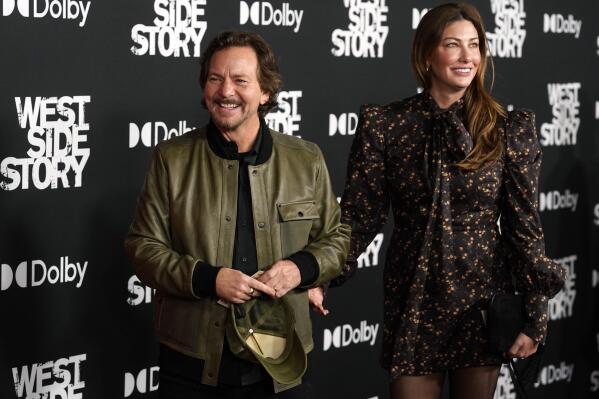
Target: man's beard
pixel 228 124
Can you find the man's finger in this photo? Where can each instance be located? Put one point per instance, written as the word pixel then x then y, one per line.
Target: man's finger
pixel 260 286
pixel 320 309
pixel 268 276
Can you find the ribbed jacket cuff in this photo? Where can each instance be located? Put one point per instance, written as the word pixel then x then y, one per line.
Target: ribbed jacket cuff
pixel 307 265
pixel 203 280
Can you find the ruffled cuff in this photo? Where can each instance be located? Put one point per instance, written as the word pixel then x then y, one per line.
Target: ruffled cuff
pixel 535 310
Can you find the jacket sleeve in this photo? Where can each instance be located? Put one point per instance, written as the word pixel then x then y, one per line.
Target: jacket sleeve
pixel 329 238
pixel 365 201
pixel 148 242
pixel 535 276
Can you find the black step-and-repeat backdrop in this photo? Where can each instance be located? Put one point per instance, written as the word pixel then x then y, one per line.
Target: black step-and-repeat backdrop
pixel 89 87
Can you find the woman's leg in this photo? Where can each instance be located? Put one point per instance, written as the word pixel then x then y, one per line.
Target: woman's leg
pixel 473 382
pixel 417 387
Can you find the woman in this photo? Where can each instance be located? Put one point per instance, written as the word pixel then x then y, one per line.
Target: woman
pixel 451 162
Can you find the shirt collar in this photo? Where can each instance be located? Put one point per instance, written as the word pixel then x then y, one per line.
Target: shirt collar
pixel 228 149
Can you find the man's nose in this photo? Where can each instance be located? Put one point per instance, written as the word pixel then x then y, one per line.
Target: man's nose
pixel 226 88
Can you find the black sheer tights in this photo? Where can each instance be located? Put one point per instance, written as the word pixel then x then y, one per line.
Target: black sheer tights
pixel 466 383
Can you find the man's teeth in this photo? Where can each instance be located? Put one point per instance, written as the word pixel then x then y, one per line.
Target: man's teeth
pixel 228 105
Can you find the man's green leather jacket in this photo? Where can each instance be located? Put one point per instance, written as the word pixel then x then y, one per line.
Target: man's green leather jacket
pixel 186 213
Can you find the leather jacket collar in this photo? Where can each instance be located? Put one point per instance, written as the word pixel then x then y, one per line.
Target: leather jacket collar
pixel 228 149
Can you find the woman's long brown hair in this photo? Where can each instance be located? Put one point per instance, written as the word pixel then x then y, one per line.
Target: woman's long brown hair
pixel 482 111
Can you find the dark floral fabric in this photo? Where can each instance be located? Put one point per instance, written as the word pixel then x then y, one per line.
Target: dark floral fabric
pixel 447 255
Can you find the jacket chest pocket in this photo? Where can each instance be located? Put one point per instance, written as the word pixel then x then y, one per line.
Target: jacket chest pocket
pixel 296 219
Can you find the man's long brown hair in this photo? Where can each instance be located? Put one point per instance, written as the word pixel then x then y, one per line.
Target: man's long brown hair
pixel 481 110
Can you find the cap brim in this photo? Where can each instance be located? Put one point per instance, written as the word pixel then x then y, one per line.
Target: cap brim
pixel 291 365
pixel 292 368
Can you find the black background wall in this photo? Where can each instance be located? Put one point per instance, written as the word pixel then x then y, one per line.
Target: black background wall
pixel 89 87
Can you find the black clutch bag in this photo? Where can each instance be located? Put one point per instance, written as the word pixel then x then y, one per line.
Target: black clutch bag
pixel 505 320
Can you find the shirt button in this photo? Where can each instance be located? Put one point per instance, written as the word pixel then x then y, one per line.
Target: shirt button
pixel 228 218
pixel 216 324
pixel 244 259
pixel 210 375
pixel 229 166
pixel 300 214
pixel 261 225
pixel 254 172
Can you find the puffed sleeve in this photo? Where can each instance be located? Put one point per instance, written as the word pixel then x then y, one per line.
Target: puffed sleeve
pixel 365 203
pixel 536 276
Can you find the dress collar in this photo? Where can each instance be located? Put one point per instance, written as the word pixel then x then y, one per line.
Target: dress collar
pixel 455 108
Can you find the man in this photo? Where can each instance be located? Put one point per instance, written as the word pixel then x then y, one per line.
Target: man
pixel 224 203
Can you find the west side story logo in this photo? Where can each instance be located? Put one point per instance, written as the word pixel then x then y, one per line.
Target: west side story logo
pixel 58 152
pixel 57 9
pixel 60 379
pixel 562 305
pixel 595 373
pixel 565 108
pixel 595 381
pixel 417 16
pixel 507 39
pixel 37 272
pixel 366 32
pixel 285 118
pixel 263 13
pixel 138 293
pixel 370 257
pixel 177 31
pixel 505 387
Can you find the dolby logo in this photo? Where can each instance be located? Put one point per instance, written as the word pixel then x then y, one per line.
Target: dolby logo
pixel 345 335
pixel 551 373
pixel 152 133
pixel 344 124
pixel 262 13
pixel 57 9
pixel 35 273
pixel 145 381
pixel 555 200
pixel 557 23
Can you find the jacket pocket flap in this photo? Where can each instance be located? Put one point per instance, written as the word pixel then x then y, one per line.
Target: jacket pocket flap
pixel 297 211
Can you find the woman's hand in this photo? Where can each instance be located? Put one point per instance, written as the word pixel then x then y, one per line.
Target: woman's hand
pixel 522 347
pixel 316 297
